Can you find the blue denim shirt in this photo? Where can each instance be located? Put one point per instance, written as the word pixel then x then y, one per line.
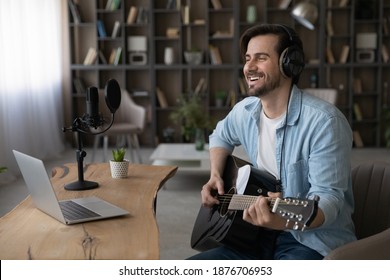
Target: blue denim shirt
pixel 315 161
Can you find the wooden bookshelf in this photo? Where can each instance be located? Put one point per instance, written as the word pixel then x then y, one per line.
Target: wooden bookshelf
pixel 184 24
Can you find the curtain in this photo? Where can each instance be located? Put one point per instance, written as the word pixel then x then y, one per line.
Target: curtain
pixel 31 80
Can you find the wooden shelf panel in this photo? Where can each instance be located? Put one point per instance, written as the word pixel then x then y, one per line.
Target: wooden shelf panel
pixel 180 77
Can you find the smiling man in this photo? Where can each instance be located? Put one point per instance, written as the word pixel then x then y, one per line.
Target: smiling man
pixel 303 141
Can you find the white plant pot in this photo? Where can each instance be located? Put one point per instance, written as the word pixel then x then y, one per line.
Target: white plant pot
pixel 119 169
pixel 193 58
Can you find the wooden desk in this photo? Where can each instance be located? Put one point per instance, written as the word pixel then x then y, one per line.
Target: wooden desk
pixel 28 233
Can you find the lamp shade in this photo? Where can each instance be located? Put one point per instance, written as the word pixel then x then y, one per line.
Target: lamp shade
pixel 305 13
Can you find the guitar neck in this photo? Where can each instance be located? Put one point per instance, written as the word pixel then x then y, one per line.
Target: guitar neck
pixel 293 209
pixel 242 202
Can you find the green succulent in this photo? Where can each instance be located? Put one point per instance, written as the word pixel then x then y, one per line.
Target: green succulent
pixel 119 154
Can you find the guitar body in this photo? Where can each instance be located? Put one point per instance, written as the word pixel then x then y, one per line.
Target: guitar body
pixel 223 224
pixel 216 226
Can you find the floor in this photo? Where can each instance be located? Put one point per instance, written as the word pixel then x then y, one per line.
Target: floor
pixel 177 203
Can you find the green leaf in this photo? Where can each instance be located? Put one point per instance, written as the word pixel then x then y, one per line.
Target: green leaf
pixel 119 154
pixel 191 115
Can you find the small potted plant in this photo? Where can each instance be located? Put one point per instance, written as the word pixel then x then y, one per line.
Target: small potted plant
pixel 119 165
pixel 193 56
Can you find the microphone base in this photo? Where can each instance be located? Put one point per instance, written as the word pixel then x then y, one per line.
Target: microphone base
pixel 81 186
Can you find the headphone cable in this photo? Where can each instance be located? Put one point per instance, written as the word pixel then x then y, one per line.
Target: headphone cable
pixel 279 182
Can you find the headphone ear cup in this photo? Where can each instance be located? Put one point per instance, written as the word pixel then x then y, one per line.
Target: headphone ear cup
pixel 282 64
pixel 291 62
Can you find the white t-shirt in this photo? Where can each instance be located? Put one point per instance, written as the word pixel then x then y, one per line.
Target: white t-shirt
pixel 266 157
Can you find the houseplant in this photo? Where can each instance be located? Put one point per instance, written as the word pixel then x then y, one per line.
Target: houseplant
pixel 119 165
pixel 192 118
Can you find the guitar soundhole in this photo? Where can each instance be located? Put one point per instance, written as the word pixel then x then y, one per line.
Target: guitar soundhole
pixel 224 201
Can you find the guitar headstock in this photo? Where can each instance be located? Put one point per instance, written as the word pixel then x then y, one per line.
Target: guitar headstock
pixel 299 211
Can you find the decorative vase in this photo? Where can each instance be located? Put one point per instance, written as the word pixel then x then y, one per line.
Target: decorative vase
pixel 251 14
pixel 119 169
pixel 199 139
pixel 168 56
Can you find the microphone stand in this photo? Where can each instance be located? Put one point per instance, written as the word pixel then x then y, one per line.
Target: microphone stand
pixel 79 126
pixel 92 119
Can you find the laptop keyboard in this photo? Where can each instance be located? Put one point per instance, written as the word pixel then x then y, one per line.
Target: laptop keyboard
pixel 73 211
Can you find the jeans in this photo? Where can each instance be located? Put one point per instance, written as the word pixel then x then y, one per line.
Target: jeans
pixel 285 247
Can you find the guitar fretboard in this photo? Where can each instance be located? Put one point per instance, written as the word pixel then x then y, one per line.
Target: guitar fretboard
pixel 240 201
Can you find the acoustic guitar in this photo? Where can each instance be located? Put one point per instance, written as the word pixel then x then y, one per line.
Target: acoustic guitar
pixel 223 223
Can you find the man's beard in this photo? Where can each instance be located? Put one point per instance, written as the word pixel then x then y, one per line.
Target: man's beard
pixel 266 88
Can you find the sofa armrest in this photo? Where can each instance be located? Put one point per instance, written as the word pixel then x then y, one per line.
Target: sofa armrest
pixel 375 247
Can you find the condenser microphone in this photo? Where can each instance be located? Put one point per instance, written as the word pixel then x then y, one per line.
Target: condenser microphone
pixel 92 116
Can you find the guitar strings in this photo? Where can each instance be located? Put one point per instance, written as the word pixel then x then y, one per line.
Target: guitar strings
pixel 227 198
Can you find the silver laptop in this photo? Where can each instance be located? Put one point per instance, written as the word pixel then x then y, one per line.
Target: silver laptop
pixel 66 211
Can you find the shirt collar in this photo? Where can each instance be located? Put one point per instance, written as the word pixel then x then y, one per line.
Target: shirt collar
pixel 294 108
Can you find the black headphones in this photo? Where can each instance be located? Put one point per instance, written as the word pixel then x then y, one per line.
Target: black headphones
pixel 291 61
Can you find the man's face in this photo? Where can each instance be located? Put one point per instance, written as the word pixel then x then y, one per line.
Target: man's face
pixel 261 69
